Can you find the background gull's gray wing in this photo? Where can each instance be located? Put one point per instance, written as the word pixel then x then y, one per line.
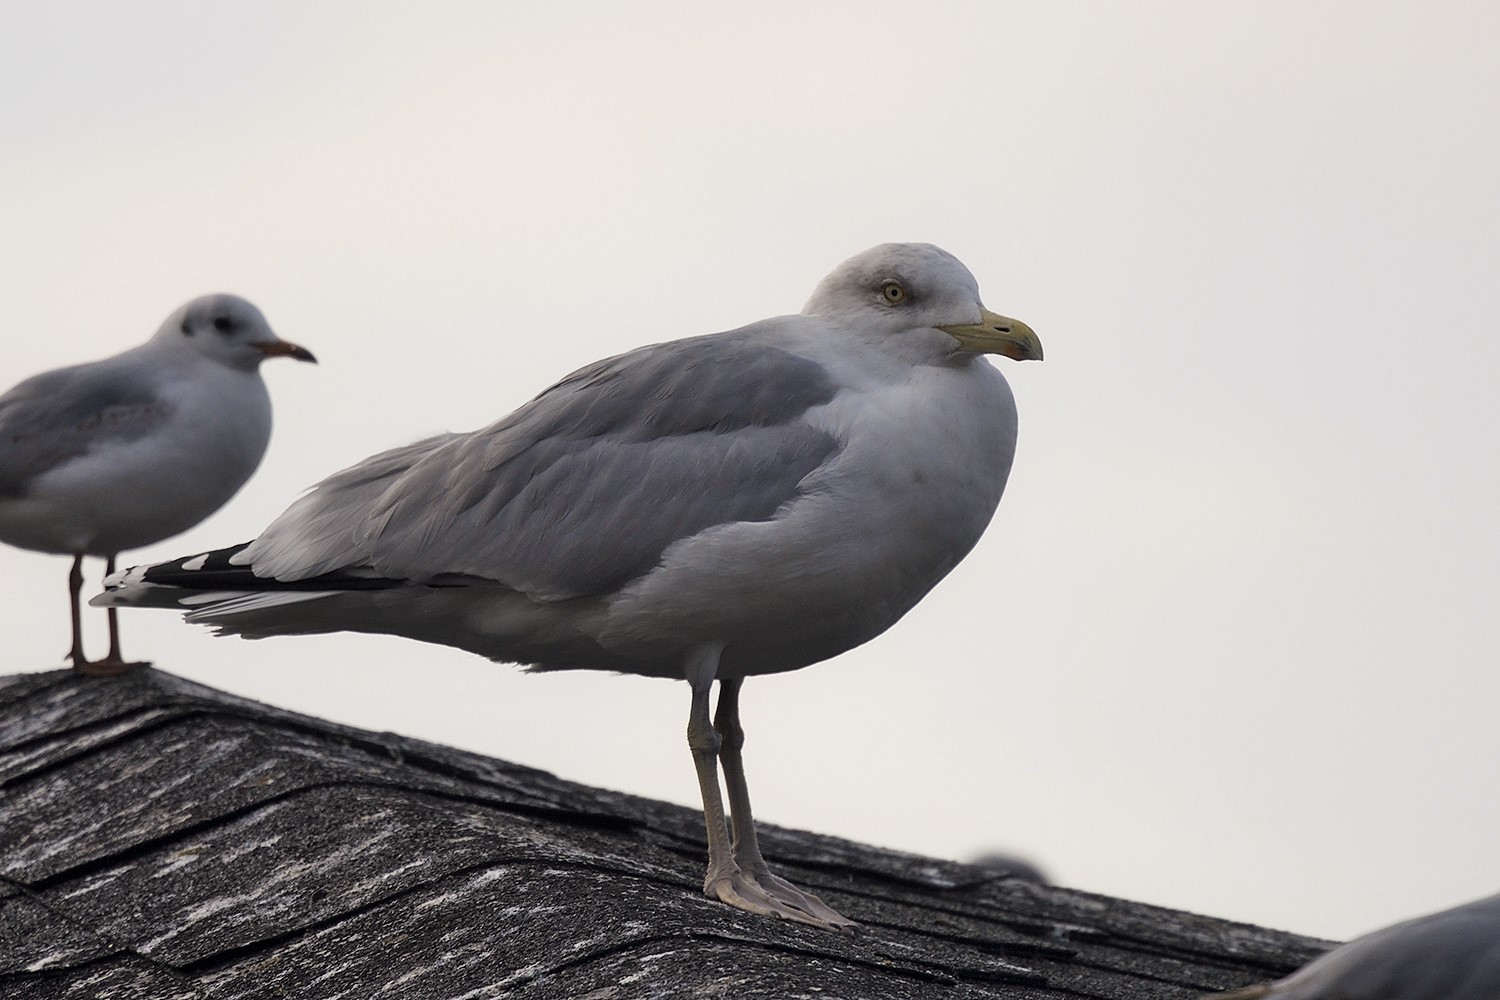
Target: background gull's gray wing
pixel 582 488
pixel 1450 955
pixel 59 415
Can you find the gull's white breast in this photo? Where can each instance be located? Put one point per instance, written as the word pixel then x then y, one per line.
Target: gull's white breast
pixel 129 492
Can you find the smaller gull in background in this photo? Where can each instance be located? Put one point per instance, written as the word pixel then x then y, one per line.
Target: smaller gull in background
pixel 1452 955
pixel 706 509
pixel 115 454
pixel 1010 866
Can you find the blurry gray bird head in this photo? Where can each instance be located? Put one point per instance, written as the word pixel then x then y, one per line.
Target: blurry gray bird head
pixel 226 329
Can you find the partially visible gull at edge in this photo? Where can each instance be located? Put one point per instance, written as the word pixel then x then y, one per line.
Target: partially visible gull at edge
pixel 1450 955
pixel 111 455
pixel 709 509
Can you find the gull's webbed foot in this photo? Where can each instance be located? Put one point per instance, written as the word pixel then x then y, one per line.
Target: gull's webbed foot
pixel 771 896
pixel 107 667
pixel 779 888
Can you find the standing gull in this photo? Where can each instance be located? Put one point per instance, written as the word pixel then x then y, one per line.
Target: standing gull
pixel 709 509
pixel 119 453
pixel 1450 955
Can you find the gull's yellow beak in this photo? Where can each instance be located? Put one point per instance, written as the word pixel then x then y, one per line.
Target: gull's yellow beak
pixel 996 334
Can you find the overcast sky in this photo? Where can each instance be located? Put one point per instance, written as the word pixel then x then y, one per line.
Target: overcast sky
pixel 1231 642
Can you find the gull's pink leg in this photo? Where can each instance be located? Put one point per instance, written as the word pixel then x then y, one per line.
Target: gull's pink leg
pixel 113 663
pixel 746 845
pixel 75 587
pixel 724 880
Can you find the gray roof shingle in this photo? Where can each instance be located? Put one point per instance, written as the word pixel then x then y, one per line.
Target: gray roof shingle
pixel 160 839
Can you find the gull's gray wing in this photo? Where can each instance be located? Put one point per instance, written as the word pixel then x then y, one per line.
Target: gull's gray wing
pixel 59 415
pixel 584 487
pixel 322 531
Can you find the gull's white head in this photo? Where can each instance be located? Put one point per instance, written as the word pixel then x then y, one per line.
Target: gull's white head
pixel 226 329
pixel 917 287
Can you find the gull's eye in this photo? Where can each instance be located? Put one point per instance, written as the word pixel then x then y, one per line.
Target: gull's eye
pixel 893 292
pixel 223 324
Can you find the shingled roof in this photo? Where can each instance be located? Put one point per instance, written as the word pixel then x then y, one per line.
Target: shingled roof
pixel 161 840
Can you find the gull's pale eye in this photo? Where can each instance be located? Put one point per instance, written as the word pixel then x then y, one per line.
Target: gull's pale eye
pixel 223 324
pixel 893 292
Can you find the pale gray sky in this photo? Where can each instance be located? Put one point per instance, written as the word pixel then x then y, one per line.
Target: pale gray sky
pixel 1230 644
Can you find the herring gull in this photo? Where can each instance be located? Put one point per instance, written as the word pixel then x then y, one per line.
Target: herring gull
pixel 111 455
pixel 711 508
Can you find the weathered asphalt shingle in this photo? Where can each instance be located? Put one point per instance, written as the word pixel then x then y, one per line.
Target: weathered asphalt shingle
pixel 160 839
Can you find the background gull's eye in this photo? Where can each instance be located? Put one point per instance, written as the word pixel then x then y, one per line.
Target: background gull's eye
pixel 223 324
pixel 893 293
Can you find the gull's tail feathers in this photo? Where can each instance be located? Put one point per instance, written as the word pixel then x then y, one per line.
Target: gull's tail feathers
pixel 212 588
pixel 218 589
